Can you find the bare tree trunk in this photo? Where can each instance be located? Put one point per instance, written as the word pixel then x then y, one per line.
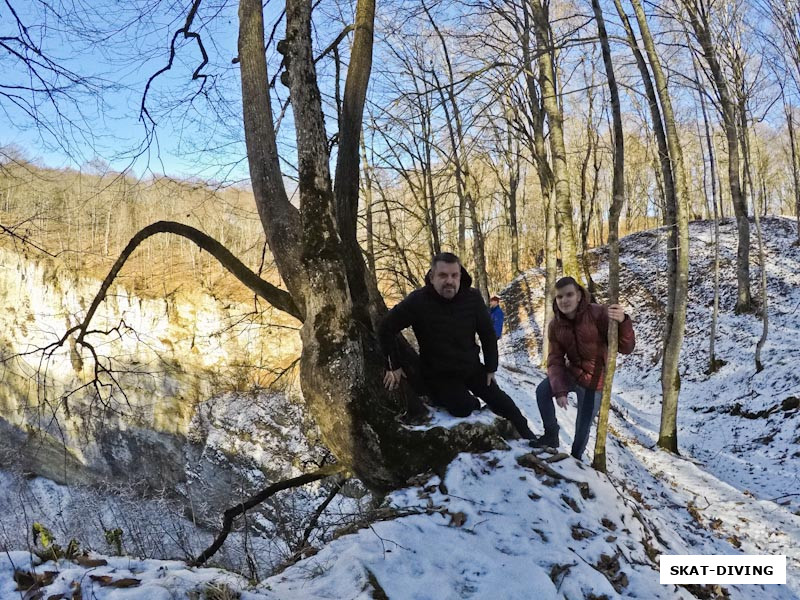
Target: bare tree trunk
pixel 702 31
pixel 764 297
pixel 465 185
pixel 795 170
pixel 713 363
pixel 368 203
pixel 558 151
pixel 667 168
pixel 670 377
pixel 587 200
pixel 430 193
pixel 512 160
pixel 761 254
pixel 618 199
pixel 478 243
pixel 551 269
pixel 408 274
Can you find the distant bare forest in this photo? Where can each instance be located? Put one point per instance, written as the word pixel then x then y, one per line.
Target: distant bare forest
pixel 81 220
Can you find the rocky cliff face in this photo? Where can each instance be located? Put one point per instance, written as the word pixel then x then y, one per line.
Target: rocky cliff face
pixel 157 412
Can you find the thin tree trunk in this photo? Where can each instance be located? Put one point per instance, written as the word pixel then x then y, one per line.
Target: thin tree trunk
pixel 728 109
pixel 551 269
pixel 430 193
pixel 618 199
pixel 513 164
pixel 761 254
pixel 587 200
pixel 368 203
pixel 764 297
pixel 795 170
pixel 713 364
pixel 667 168
pixel 670 377
pixel 465 187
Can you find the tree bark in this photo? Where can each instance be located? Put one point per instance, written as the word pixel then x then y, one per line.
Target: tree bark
pixel 618 199
pixel 552 108
pixel 713 364
pixel 281 220
pixel 727 106
pixel 795 170
pixel 670 377
pixel 666 166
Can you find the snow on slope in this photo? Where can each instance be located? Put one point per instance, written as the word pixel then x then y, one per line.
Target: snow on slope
pixel 503 525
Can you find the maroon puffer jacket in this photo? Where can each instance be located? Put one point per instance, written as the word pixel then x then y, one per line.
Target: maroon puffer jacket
pixel 578 351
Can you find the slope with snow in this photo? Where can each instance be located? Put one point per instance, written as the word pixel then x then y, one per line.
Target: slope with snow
pixel 515 525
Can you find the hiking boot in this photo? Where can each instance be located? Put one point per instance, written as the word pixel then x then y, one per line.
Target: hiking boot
pixel 548 440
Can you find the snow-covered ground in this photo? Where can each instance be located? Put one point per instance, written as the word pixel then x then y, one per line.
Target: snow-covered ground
pixel 514 525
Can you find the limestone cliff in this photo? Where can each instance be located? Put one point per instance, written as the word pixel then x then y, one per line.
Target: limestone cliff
pixel 168 363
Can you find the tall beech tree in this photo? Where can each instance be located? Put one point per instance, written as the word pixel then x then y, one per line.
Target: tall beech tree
pixel 554 110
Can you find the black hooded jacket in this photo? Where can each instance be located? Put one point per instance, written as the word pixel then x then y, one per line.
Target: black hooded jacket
pixel 445 330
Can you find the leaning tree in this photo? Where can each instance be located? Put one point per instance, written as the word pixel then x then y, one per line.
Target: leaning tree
pixel 328 285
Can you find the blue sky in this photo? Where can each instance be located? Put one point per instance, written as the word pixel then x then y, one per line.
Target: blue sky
pixel 118 48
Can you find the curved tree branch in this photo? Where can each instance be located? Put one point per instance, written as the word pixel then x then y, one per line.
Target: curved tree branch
pixel 197 72
pixel 229 515
pixel 277 297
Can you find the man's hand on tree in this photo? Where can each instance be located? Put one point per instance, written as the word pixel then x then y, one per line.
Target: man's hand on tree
pixel 616 312
pixel 562 401
pixel 391 380
pixel 489 379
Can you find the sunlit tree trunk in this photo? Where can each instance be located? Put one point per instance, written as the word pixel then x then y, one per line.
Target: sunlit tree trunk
pixel 667 169
pixel 670 377
pixel 713 363
pixel 702 30
pixel 555 118
pixel 795 170
pixel 618 199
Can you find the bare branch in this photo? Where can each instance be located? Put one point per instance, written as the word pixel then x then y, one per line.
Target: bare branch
pixel 143 112
pixel 279 298
pixel 229 515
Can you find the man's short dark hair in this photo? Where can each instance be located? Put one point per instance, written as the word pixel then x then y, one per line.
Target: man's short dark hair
pixel 447 257
pixel 565 281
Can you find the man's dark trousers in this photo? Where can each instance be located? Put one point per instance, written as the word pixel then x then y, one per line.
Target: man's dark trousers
pixel 453 394
pixel 588 407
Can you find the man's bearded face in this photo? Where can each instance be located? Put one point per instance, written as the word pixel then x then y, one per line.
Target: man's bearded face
pixel 446 279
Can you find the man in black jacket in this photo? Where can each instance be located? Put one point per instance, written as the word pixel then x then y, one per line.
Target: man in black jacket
pixel 445 316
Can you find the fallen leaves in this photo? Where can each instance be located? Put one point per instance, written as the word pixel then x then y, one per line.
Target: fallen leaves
pixel 109 581
pixel 457 519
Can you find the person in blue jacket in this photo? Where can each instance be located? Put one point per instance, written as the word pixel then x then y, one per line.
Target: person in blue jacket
pixel 497 315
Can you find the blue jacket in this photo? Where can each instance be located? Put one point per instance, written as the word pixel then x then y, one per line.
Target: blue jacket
pixel 497 320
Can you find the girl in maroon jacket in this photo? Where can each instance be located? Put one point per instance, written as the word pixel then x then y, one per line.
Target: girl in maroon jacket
pixel 576 360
